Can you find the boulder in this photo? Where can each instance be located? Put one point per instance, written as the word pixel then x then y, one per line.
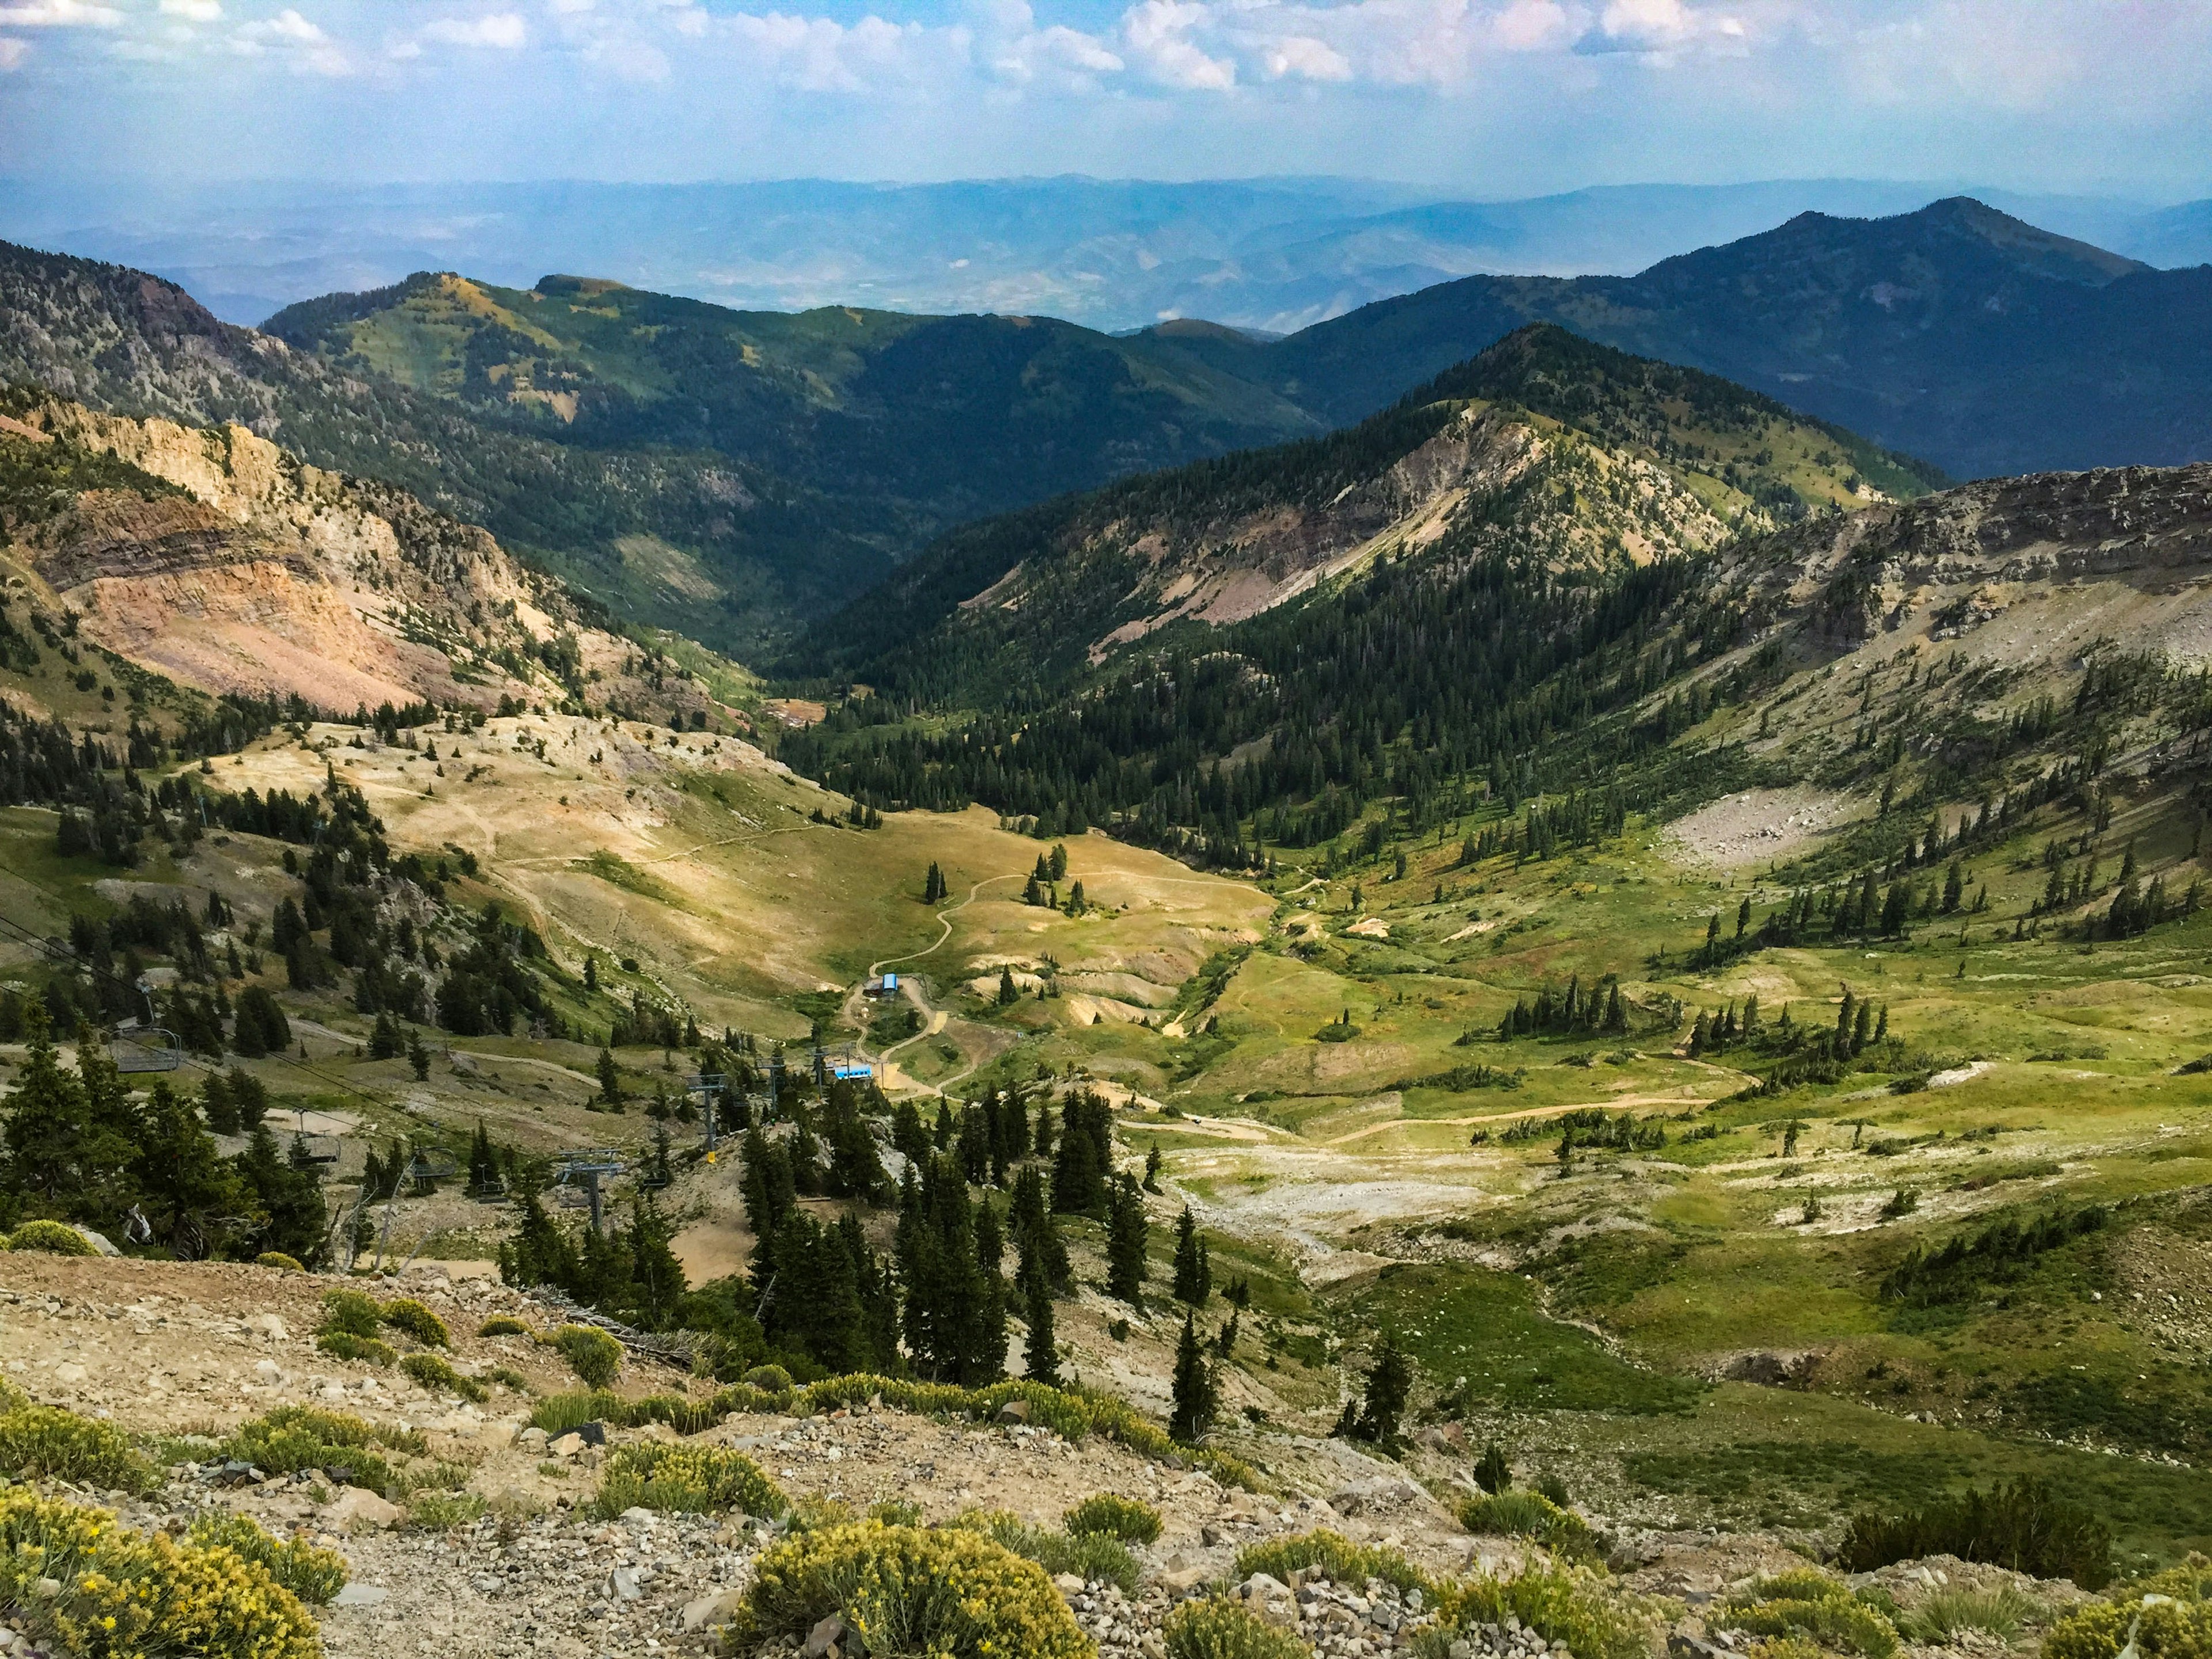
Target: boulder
pixel 822 1641
pixel 1182 1582
pixel 1014 1411
pixel 359 1505
pixel 710 1610
pixel 98 1240
pixel 360 1596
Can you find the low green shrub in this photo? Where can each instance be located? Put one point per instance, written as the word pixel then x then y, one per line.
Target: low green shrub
pixel 1092 1557
pixel 2165 1616
pixel 51 1237
pixel 684 1416
pixel 293 1438
pixel 1108 1515
pixel 2022 1525
pixel 1944 1613
pixel 1532 1515
pixel 356 1313
pixel 46 1443
pixel 504 1324
pixel 1569 1605
pixel 508 1377
pixel 432 1372
pixel 368 1350
pixel 895 1512
pixel 313 1575
pixel 1812 1607
pixel 415 1319
pixel 557 1413
pixel 948 1592
pixel 686 1480
pixel 591 1352
pixel 1222 1630
pixel 768 1379
pixel 283 1263
pixel 441 1511
pixel 1342 1560
pixel 124 1594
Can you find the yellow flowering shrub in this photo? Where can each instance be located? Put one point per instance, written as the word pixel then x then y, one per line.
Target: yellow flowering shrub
pixel 432 1372
pixel 2165 1616
pixel 939 1594
pixel 1812 1607
pixel 46 1443
pixel 1222 1630
pixel 311 1574
pixel 504 1324
pixel 125 1596
pixel 412 1318
pixel 278 1260
pixel 653 1474
pixel 51 1237
pixel 355 1313
pixel 1573 1607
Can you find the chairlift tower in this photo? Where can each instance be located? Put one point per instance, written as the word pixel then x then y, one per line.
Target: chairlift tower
pixel 710 1087
pixel 580 1175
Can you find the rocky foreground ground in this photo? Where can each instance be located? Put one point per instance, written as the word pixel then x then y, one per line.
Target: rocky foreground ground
pixel 190 1352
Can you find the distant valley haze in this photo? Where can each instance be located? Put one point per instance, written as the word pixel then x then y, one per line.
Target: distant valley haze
pixel 1272 255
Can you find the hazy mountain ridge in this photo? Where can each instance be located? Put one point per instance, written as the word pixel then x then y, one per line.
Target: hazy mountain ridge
pixel 1956 333
pixel 1273 253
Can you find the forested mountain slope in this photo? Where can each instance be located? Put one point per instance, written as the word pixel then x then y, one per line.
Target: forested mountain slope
pixel 641 531
pixel 1580 456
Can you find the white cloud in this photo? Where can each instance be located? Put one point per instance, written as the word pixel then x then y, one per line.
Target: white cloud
pixel 1157 34
pixel 1303 57
pixel 193 11
pixel 1660 27
pixel 13 53
pixel 503 31
pixel 58 13
pixel 298 40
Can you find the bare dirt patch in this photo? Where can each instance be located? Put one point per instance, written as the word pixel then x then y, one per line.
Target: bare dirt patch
pixel 1761 825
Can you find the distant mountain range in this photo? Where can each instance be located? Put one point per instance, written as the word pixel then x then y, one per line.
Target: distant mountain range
pixel 1269 254
pixel 731 474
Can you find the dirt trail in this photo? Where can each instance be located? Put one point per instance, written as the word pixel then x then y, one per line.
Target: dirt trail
pixel 1681 1096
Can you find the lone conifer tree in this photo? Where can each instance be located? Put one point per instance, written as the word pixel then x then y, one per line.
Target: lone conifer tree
pixel 1040 1355
pixel 1125 1244
pixel 1196 1401
pixel 1194 1273
pixel 1389 1388
pixel 610 1078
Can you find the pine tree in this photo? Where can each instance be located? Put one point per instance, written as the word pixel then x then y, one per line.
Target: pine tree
pixel 591 971
pixel 657 1281
pixel 1056 867
pixel 1194 1399
pixel 610 1092
pixel 1009 993
pixel 1079 1184
pixel 1037 1238
pixel 1151 1182
pixel 909 1139
pixel 932 884
pixel 418 1057
pixel 1193 1274
pixel 1040 1354
pixel 1126 1236
pixel 291 1200
pixel 1389 1388
pixel 942 1139
pixel 194 1200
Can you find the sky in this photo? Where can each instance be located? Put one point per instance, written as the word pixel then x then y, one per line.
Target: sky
pixel 1484 98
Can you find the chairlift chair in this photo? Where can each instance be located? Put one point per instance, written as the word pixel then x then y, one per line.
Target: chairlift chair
pixel 317 1149
pixel 145 1050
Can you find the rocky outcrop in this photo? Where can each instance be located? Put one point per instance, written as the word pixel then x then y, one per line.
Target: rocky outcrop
pixel 271 577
